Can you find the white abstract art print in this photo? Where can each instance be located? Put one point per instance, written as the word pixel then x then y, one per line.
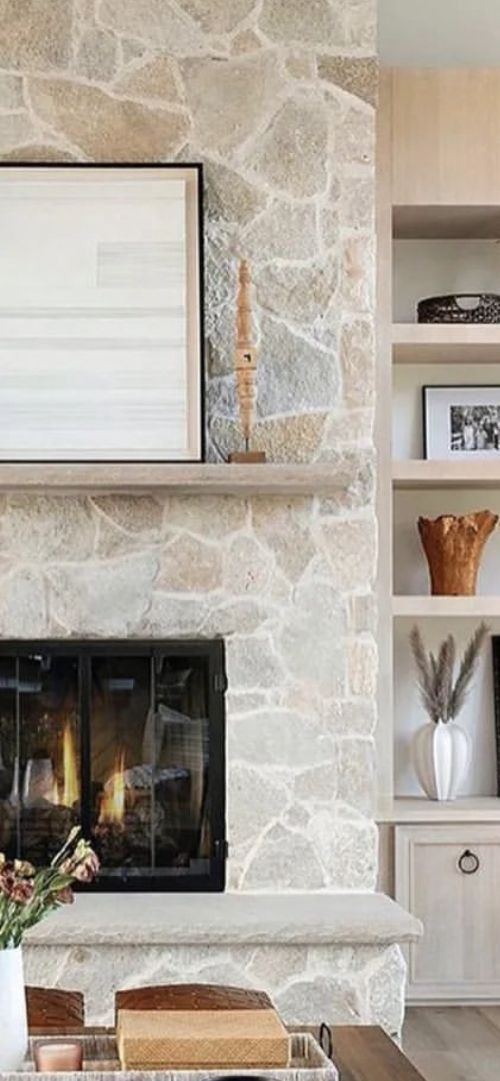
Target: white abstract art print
pixel 100 313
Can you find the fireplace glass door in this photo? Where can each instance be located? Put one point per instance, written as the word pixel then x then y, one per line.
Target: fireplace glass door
pixel 126 740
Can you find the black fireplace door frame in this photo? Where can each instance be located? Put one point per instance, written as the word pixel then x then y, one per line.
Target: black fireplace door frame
pixel 212 650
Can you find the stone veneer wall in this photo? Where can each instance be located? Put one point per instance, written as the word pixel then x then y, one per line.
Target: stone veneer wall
pixel 276 97
pixel 341 985
pixel 285 584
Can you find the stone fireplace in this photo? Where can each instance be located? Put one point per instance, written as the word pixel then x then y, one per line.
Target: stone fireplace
pixel 277 101
pixel 126 739
pixel 282 583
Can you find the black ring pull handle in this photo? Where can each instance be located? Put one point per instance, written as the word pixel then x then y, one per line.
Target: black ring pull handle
pixel 469 863
pixel 325 1039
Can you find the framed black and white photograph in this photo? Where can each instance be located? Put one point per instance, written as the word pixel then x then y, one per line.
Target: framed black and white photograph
pixel 461 422
pixel 101 313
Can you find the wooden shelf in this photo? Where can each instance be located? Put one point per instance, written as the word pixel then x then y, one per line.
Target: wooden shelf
pixel 446 343
pixel 411 473
pixel 419 809
pixel 202 479
pixel 424 222
pixel 419 607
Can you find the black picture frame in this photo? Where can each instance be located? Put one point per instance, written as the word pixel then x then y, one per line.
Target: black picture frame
pixel 198 170
pixel 426 410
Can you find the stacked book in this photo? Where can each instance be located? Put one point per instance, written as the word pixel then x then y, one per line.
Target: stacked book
pixel 251 1036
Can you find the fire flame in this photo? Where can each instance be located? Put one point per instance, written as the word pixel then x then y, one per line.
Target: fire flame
pixel 70 787
pixel 112 809
pixel 70 792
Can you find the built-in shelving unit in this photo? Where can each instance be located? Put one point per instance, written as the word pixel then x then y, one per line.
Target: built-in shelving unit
pixel 426 607
pixel 436 216
pixel 202 479
pixel 436 343
pixel 425 811
pixel 414 473
pixel 446 222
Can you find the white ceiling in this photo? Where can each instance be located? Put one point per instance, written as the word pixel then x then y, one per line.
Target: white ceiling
pixel 439 33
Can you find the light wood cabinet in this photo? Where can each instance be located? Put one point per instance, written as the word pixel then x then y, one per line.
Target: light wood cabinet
pixel 449 876
pixel 445 137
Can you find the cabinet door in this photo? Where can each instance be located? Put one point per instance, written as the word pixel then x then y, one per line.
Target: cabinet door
pixel 449 876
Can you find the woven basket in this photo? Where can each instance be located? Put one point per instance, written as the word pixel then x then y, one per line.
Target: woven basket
pixel 478 308
pixel 308 1062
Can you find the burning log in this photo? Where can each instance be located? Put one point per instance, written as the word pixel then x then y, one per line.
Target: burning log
pixel 44 827
pixel 8 821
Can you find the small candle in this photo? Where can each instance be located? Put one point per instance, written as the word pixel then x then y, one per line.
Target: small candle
pixel 56 1057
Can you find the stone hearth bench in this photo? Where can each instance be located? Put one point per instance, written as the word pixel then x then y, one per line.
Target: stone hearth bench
pixel 334 957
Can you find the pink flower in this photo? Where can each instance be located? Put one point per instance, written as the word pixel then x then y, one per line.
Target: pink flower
pixel 15 889
pixel 82 865
pixel 24 869
pixel 65 896
pixel 87 868
pixel 26 895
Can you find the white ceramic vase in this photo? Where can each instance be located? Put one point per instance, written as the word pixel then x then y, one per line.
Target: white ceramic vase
pixel 13 1018
pixel 441 754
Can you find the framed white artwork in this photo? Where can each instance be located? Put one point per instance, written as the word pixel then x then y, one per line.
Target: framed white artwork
pixel 461 422
pixel 101 313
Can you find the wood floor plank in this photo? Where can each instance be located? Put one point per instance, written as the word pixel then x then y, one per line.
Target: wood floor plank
pixel 462 1028
pixel 492 1015
pixel 454 1043
pixel 420 1034
pixel 443 1066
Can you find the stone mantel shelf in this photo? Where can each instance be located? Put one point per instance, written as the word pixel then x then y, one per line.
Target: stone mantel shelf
pixel 182 478
pixel 340 919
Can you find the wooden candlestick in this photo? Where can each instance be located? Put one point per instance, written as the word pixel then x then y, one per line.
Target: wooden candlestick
pixel 453 546
pixel 246 366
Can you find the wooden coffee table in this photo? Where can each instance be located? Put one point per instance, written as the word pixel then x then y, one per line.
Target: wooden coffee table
pixel 366 1053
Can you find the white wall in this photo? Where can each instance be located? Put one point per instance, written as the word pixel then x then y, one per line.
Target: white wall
pixel 446 33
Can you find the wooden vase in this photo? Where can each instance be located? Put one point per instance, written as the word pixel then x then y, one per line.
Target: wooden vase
pixel 453 546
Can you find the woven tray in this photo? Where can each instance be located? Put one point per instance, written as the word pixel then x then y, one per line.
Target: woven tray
pixel 101 1063
pixel 460 308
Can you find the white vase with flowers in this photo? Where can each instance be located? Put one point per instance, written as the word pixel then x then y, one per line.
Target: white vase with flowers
pixel 26 897
pixel 441 749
